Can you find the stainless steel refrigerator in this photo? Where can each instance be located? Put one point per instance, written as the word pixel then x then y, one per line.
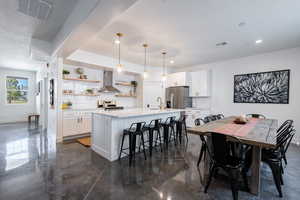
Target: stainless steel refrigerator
pixel 178 97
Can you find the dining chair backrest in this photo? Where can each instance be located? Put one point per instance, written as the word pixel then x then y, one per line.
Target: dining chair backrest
pixel 288 142
pixel 219 148
pixel 198 122
pixel 283 129
pixel 220 116
pixel 137 127
pixel 260 116
pixel 213 117
pixel 284 138
pixel 207 119
pixel 285 125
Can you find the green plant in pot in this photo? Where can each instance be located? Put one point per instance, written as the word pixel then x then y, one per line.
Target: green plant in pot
pixel 65 73
pixel 89 91
pixel 69 103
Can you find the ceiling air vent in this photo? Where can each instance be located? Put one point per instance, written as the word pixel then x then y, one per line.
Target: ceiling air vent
pixel 39 9
pixel 221 44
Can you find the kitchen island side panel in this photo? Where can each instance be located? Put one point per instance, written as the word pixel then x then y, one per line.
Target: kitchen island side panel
pixel 107 132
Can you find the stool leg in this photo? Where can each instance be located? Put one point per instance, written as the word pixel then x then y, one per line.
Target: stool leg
pixel 143 143
pixel 179 131
pixel 186 133
pixel 159 137
pixel 122 143
pixel 133 145
pixel 150 141
pixel 130 148
pixel 174 134
pixel 166 136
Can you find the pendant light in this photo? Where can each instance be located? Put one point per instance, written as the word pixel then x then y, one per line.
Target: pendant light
pixel 145 62
pixel 119 65
pixel 164 76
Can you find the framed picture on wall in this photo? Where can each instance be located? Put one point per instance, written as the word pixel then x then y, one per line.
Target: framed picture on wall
pixel 262 87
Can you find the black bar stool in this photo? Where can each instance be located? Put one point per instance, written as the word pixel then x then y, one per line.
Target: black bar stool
pixel 154 125
pixel 169 124
pixel 180 124
pixel 136 129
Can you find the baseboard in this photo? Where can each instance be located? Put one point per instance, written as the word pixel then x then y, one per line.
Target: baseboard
pixel 73 138
pixel 101 152
pixel 3 123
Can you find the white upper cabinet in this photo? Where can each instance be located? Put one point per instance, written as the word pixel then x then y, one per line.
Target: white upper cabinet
pixel 176 79
pixel 198 81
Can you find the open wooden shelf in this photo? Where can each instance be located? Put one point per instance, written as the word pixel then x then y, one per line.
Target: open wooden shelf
pixel 125 95
pixel 124 83
pixel 83 80
pixel 89 95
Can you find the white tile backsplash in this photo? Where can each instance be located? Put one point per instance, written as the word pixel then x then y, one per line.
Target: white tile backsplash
pixel 201 103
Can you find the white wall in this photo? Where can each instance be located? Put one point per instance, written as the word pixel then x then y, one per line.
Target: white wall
pixel 222 85
pixel 12 112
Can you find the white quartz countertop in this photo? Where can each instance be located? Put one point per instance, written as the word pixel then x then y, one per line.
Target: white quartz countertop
pixel 136 112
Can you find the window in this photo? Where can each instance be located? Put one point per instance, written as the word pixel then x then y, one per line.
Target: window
pixel 16 90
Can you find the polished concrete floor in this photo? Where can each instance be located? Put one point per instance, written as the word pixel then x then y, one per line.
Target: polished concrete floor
pixel 33 167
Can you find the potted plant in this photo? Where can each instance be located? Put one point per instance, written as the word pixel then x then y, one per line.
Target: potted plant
pixel 89 91
pixel 65 73
pixel 69 104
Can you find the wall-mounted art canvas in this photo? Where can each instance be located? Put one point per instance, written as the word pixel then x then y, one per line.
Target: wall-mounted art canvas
pixel 263 87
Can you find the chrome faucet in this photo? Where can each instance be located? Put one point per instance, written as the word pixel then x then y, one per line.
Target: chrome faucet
pixel 159 100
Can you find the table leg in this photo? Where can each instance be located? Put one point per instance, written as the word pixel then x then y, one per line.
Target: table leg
pixel 255 171
pixel 206 162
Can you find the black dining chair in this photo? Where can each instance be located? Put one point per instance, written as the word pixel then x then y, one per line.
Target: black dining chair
pixel 220 116
pixel 221 158
pixel 273 157
pixel 208 118
pixel 283 129
pixel 260 116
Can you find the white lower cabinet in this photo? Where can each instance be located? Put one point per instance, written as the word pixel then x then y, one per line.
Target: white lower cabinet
pixel 76 123
pixel 70 126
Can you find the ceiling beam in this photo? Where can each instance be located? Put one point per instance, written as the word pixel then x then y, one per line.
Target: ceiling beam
pixel 83 25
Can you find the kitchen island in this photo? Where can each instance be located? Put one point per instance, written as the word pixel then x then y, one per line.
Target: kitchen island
pixel 108 126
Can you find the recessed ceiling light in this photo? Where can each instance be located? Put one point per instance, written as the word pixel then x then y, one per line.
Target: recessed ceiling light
pixel 258 41
pixel 172 61
pixel 221 44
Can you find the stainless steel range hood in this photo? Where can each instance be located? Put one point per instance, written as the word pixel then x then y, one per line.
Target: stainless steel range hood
pixel 108 83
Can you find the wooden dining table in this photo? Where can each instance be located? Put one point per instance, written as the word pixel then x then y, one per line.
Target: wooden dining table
pixel 260 133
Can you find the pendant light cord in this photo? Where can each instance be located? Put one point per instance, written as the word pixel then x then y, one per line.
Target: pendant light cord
pixel 164 62
pixel 120 51
pixel 145 62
